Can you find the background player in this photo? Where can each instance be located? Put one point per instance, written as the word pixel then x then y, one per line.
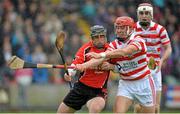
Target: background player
pixel 156 37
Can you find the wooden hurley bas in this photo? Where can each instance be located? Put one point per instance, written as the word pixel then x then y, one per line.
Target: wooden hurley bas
pixel 59 45
pixel 17 63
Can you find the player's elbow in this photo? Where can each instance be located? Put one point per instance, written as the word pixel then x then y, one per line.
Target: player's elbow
pixel 169 49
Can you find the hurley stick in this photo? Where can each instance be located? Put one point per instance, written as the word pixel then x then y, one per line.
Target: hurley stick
pixel 17 63
pixel 59 45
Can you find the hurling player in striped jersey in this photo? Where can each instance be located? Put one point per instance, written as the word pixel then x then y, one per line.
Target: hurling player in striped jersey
pixel 156 38
pixel 128 52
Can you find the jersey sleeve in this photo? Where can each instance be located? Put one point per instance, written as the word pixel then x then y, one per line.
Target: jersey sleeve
pixel 164 36
pixel 139 43
pixel 112 46
pixel 79 57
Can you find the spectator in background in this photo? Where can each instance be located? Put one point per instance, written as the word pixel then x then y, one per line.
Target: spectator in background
pixel 24 78
pixel 5 73
pixel 89 10
pixel 71 24
pixel 2 60
pixel 74 44
pixel 7 50
pixel 40 76
pixel 53 24
pixel 55 75
pixel 102 18
pixel 175 57
pixel 159 3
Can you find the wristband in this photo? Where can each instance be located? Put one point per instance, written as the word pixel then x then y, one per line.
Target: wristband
pixel 103 55
pixel 72 71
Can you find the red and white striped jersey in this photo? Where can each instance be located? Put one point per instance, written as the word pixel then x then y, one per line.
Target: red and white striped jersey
pixel 155 36
pixel 134 66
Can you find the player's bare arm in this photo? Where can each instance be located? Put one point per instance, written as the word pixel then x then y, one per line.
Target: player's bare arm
pixel 90 64
pixel 107 66
pixel 121 52
pixel 166 54
pixel 98 58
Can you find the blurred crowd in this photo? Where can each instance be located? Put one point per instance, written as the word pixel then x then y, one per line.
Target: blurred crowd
pixel 28 29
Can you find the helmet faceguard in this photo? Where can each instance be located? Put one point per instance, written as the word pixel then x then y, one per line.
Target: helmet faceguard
pixel 98 30
pixel 123 22
pixel 147 10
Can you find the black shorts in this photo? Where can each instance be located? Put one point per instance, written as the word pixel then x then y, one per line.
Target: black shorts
pixel 81 93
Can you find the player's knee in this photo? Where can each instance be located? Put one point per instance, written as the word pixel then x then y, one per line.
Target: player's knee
pixel 63 108
pixel 137 108
pixel 96 108
pixel 157 107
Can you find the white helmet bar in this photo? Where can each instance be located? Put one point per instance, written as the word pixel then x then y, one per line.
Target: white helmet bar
pixel 145 7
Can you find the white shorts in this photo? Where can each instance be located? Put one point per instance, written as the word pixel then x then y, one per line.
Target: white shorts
pixel 141 91
pixel 157 77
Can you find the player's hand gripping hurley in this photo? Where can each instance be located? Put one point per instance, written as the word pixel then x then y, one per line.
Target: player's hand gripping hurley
pixel 59 45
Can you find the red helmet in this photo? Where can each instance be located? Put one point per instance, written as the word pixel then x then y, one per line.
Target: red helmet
pixel 124 21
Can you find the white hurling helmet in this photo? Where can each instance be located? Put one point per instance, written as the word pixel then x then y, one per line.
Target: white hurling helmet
pixel 145 7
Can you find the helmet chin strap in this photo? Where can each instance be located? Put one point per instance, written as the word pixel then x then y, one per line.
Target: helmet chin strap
pixel 128 31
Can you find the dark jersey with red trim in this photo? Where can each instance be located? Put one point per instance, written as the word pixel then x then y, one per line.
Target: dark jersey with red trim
pixel 91 77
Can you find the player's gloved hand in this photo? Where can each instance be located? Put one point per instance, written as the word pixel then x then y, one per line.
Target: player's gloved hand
pixel 68 77
pixel 93 55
